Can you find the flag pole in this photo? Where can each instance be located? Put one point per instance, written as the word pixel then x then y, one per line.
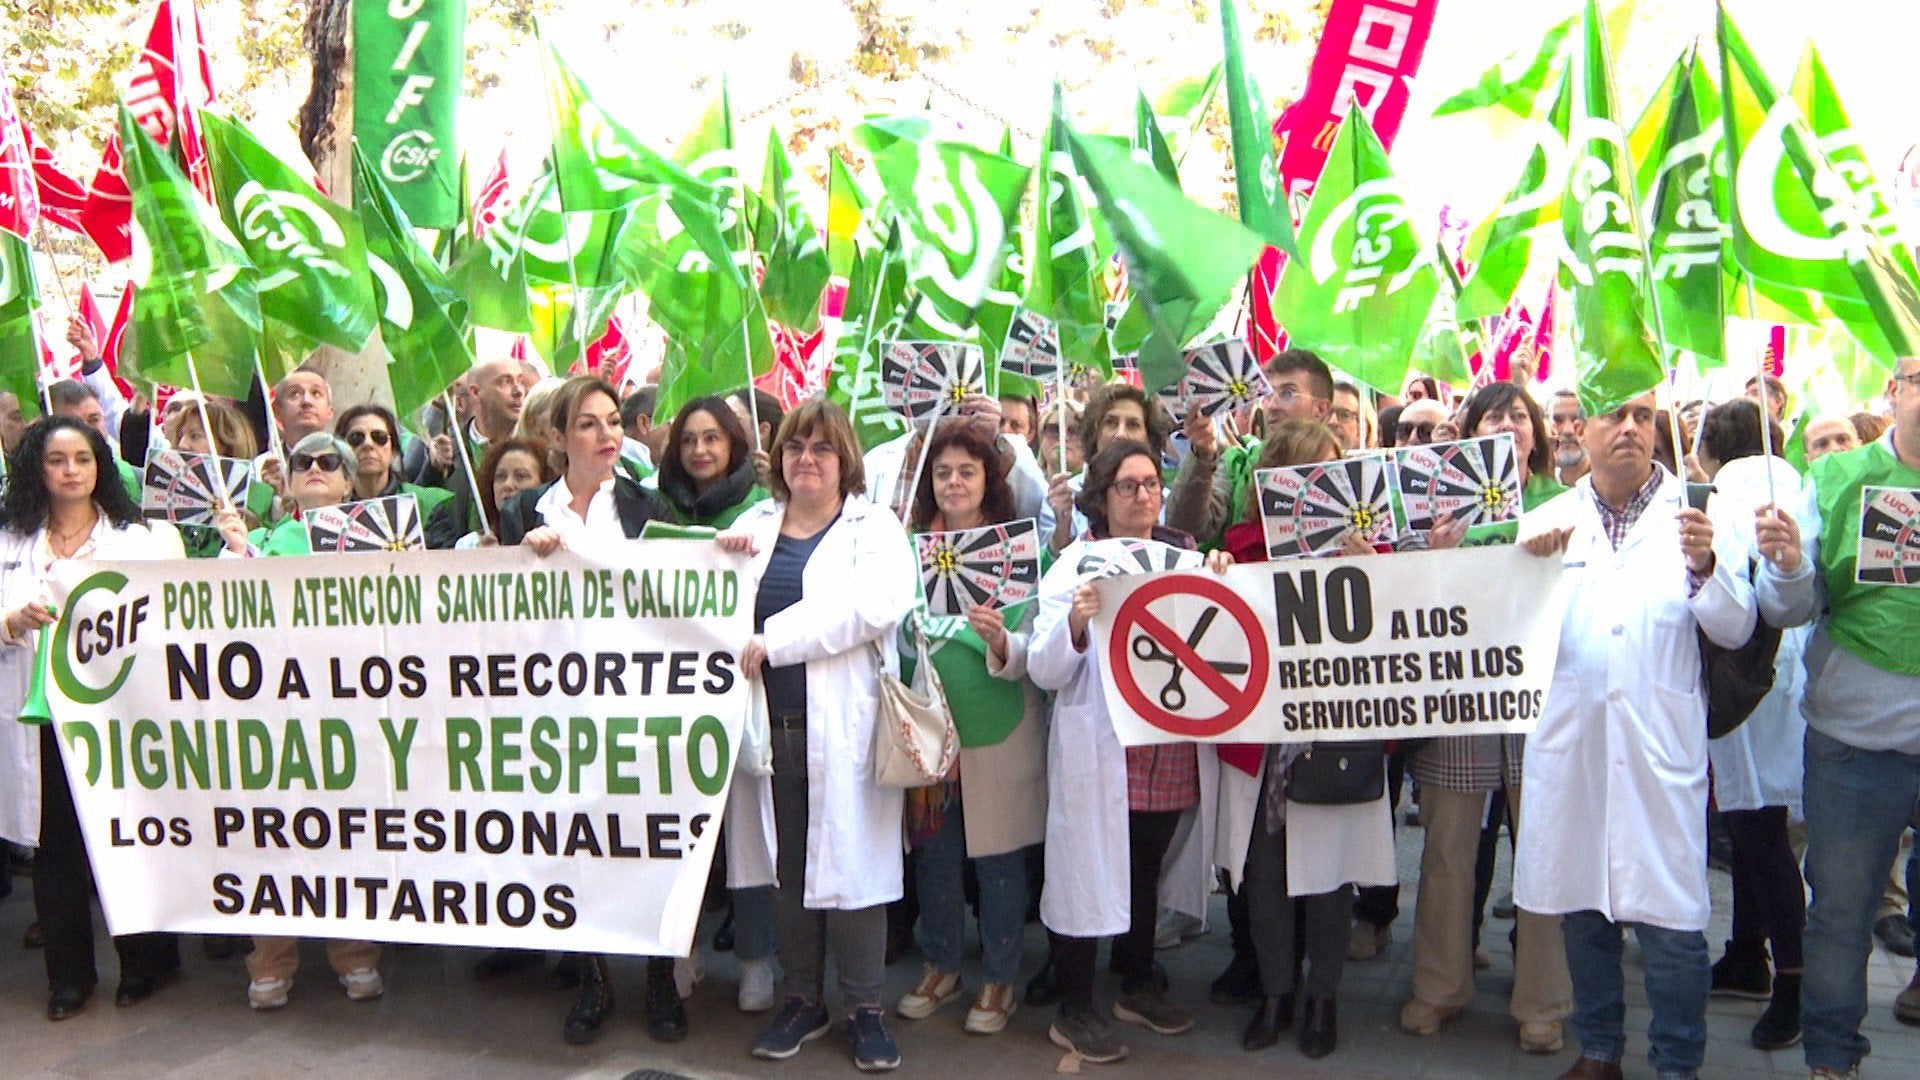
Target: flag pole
pixel 59 279
pixel 1766 395
pixel 753 402
pixel 464 454
pixel 206 426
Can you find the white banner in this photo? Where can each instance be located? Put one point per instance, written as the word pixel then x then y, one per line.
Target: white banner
pixel 1404 646
pixel 484 748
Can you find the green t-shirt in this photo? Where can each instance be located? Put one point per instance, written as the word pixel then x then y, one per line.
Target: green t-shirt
pixel 985 709
pixel 1877 623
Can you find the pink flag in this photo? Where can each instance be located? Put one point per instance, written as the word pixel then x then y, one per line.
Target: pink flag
pixel 19 194
pixel 1777 351
pixel 799 370
pixel 610 355
pixel 162 97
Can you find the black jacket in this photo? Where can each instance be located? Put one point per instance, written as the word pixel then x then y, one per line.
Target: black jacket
pixel 634 504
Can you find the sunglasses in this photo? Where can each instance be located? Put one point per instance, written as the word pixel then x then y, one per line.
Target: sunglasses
pixel 1409 432
pixel 328 462
pixel 356 439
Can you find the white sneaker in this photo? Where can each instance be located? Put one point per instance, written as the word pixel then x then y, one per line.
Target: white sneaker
pixel 756 986
pixel 687 974
pixel 1176 928
pixel 268 993
pixel 363 984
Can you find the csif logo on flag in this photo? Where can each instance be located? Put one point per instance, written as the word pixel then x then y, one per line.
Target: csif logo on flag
pixel 1683 191
pixel 960 214
pixel 1841 231
pixel 410 156
pixel 396 300
pixel 1367 220
pixel 289 224
pixel 1606 219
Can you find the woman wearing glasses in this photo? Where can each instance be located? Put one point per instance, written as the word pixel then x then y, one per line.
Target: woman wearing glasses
pixel 64 501
pixel 1112 813
pixel 317 477
pixel 373 435
pixel 837 578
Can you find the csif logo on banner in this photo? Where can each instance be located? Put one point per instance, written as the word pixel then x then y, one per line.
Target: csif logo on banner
pixel 93 646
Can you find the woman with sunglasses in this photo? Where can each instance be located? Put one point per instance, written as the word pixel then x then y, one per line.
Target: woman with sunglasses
pixel 1263 833
pixel 994 805
pixel 707 471
pixel 1112 813
pixel 64 502
pixel 373 435
pixel 317 477
pixel 592 502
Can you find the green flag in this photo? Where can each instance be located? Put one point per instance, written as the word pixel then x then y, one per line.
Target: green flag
pixel 421 320
pixel 598 163
pixel 958 204
pixel 1797 221
pixel 1363 284
pixel 1516 239
pixel 1443 348
pixel 1518 83
pixel 1149 145
pixel 785 235
pixel 538 242
pixel 196 309
pixel 1184 263
pixel 1616 358
pixel 848 226
pixel 408 59
pixel 1678 144
pixel 309 250
pixel 1256 179
pixel 874 316
pixel 1064 283
pixel 19 335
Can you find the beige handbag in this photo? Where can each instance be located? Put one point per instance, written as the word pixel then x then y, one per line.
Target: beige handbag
pixel 914 741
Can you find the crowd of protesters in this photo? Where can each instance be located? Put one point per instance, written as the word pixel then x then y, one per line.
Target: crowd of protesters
pixel 1670 547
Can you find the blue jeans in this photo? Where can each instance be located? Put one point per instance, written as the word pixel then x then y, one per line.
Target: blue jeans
pixel 937 873
pixel 1678 978
pixel 1857 802
pixel 753 923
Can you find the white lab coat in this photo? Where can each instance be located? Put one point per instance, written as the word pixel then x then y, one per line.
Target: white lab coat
pixel 22 581
pixel 1327 846
pixel 1759 763
pixel 857 588
pixel 1616 772
pixel 1087 891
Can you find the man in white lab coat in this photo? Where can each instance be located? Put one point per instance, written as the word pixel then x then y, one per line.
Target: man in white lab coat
pixel 1616 773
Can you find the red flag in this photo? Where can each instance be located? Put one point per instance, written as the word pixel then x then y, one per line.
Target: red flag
pixel 491 203
pixel 798 371
pixel 162 95
pixel 61 196
pixel 610 355
pixel 520 351
pixel 1777 351
pixel 1369 53
pixel 1543 336
pixel 110 342
pixel 52 369
pixel 19 195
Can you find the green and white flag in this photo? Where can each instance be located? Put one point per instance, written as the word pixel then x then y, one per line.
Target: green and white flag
pixel 786 237
pixel 1517 240
pixel 958 204
pixel 1679 144
pixel 309 250
pixel 1149 144
pixel 1616 357
pixel 1798 222
pixel 196 310
pixel 1184 262
pixel 1363 284
pixel 422 322
pixel 599 163
pixel 874 315
pixel 19 334
pixel 1064 284
pixel 408 60
pixel 1256 178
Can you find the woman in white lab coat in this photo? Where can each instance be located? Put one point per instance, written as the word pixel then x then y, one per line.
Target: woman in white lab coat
pixel 837 576
pixel 1757 767
pixel 1112 812
pixel 64 502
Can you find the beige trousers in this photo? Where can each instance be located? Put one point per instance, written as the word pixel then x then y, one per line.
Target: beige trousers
pixel 279 957
pixel 1443 918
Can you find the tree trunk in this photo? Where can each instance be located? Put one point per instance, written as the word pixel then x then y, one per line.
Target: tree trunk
pixel 326 134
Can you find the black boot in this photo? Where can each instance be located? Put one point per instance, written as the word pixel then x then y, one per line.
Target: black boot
pixel 1239 983
pixel 1319 1033
pixel 1044 988
pixel 592 1005
pixel 1779 1027
pixel 1742 972
pixel 666 1015
pixel 1271 1017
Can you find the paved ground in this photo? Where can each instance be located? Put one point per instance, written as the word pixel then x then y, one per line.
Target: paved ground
pixel 435 1022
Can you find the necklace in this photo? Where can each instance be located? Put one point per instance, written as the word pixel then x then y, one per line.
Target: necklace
pixel 64 544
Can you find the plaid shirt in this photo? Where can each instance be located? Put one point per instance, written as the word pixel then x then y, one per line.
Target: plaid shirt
pixel 1618 523
pixel 1467 762
pixel 1163 777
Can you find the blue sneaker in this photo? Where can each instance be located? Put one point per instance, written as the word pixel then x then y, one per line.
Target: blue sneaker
pixel 800 1021
pixel 873 1047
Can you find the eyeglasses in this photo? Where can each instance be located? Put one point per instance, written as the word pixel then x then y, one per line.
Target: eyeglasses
pixel 1285 396
pixel 1132 489
pixel 1345 416
pixel 356 439
pixel 328 462
pixel 1406 433
pixel 797 448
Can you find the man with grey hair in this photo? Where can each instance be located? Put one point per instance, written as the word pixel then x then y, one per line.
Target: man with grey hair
pixel 1567 424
